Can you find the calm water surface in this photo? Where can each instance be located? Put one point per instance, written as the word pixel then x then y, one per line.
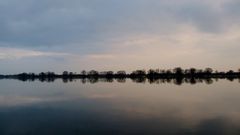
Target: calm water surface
pixel 35 108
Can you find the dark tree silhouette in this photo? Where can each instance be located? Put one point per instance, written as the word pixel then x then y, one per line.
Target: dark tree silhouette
pixel 152 72
pixel 83 72
pixel 192 71
pixel 177 76
pixel 65 73
pixel 178 71
pixel 121 73
pixel 230 72
pixel 138 73
pixel 208 70
pixel 93 73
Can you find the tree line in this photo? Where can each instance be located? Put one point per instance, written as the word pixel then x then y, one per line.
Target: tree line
pixel 151 73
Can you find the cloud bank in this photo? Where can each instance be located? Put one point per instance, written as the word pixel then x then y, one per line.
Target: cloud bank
pixel 13 53
pixel 112 34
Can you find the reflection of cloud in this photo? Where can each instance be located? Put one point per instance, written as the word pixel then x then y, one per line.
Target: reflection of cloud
pixel 27 100
pixel 18 100
pixel 14 53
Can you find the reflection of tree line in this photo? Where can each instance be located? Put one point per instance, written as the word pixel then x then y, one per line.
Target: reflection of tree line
pixel 176 76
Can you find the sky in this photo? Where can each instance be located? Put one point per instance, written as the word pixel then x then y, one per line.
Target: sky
pixel 73 35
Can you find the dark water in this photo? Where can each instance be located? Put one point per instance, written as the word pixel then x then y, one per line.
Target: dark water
pixel 35 108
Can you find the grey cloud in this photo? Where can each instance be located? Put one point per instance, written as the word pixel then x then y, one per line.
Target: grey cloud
pixel 47 24
pixel 88 25
pixel 203 16
pixel 35 23
pixel 232 7
pixel 232 12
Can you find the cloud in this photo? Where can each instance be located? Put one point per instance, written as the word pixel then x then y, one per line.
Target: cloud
pixel 232 7
pixel 13 53
pixel 46 23
pixel 101 56
pixel 113 33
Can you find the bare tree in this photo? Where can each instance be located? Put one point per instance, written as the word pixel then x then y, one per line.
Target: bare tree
pixel 83 72
pixel 178 70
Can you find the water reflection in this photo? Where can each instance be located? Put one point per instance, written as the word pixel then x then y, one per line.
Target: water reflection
pixel 176 81
pixel 115 108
